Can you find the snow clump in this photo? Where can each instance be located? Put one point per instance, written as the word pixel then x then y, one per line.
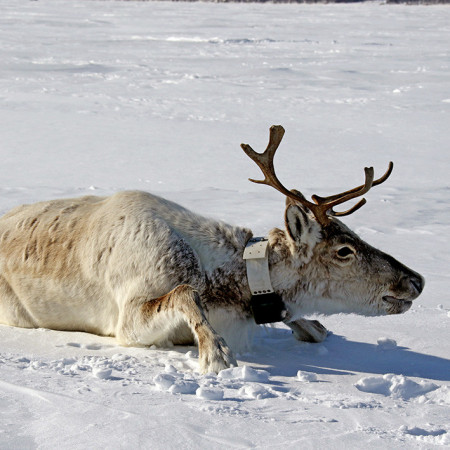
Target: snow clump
pixel 386 343
pixel 306 376
pixel 396 386
pixel 245 373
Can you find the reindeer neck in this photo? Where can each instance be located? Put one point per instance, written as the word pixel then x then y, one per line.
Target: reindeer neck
pixel 283 267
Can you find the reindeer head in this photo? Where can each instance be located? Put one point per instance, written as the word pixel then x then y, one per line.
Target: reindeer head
pixel 327 267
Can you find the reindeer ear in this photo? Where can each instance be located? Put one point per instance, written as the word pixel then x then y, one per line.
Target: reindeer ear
pixel 296 220
pixel 301 226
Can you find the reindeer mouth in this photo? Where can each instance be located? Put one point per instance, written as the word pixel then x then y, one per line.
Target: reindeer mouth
pixel 396 305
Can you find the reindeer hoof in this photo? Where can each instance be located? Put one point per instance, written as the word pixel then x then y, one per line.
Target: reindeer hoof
pixel 216 357
pixel 308 330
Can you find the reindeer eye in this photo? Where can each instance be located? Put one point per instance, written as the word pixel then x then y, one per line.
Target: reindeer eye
pixel 345 251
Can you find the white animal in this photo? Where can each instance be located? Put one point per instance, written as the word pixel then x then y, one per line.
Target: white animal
pixel 148 271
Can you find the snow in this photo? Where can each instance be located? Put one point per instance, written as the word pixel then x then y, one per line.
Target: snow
pixel 386 343
pixel 396 385
pixel 307 377
pixel 244 373
pixel 98 96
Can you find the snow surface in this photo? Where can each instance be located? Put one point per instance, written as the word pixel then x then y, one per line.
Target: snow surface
pixel 101 96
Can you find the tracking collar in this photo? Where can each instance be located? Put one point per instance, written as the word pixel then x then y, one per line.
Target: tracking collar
pixel 267 306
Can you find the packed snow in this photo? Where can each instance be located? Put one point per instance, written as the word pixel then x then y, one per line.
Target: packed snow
pixel 99 96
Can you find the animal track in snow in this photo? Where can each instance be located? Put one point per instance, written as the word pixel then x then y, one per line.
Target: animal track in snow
pixel 93 346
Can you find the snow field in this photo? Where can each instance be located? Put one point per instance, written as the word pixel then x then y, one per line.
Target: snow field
pixel 106 384
pixel 98 96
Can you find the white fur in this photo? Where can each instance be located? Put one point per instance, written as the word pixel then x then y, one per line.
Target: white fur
pixel 238 332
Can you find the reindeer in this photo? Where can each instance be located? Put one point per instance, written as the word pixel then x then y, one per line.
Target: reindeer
pixel 150 272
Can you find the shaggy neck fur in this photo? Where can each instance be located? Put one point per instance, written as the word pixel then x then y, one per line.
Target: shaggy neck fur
pixel 284 268
pixel 290 272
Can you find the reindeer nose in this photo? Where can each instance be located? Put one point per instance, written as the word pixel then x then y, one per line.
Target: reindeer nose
pixel 418 283
pixel 415 281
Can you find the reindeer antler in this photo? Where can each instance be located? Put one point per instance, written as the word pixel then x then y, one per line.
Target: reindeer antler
pixel 322 207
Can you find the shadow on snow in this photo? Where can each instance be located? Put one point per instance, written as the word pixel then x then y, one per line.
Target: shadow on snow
pixel 338 356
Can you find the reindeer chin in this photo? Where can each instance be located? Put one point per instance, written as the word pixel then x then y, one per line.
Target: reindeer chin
pixel 395 305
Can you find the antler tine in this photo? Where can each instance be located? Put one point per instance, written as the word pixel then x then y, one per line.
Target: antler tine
pixel 323 206
pixel 265 160
pixel 320 200
pixel 354 208
pixel 355 193
pixel 350 195
pixel 265 163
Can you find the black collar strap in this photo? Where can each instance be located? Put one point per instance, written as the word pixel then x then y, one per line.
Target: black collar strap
pixel 267 306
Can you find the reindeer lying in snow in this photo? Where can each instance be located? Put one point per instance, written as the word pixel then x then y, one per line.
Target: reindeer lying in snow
pixel 148 271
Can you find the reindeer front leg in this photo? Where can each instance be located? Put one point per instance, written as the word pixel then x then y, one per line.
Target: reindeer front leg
pixel 308 330
pixel 167 319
